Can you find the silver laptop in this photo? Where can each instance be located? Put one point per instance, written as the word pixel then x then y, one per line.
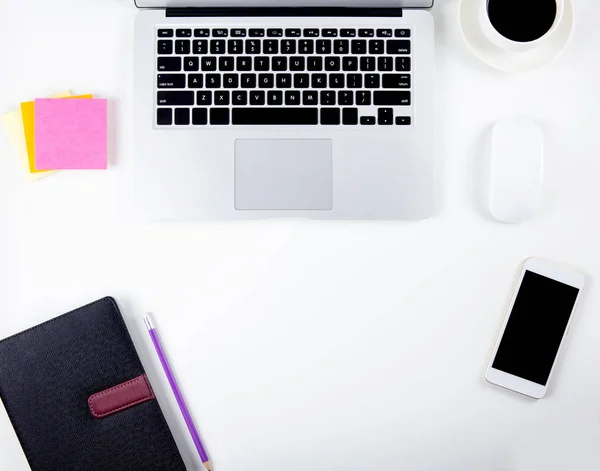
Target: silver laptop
pixel 284 108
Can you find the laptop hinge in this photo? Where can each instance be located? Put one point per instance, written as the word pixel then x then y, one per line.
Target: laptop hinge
pixel 284 12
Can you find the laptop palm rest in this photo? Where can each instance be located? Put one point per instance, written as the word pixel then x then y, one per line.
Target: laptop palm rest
pixel 283 174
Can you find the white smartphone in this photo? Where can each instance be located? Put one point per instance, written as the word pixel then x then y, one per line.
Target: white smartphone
pixel 535 328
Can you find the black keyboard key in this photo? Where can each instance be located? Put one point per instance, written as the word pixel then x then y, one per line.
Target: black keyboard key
pixel 257 97
pixel 385 116
pixel 301 80
pixel 253 46
pixel 324 46
pixel 204 98
pixel 248 80
pixel 402 33
pixel 355 81
pixel 165 46
pixel 217 46
pixel 171 81
pixel 350 64
pixel 345 98
pixel 376 46
pixel 367 64
pixel 332 63
pixel 219 116
pixel 385 33
pixel 398 46
pixel 179 98
pixel 348 33
pixel 330 116
pixel 257 33
pixel 402 64
pixel 337 80
pixel 275 97
pixel 184 33
pixel 372 81
pixel 284 80
pixel 165 33
pixel 366 33
pixel 164 116
pixel 231 81
pixel 195 81
pixel 266 81
pixel 391 98
pixel 213 80
pixel 239 97
pixel 191 64
pixel 279 64
pixel 201 33
pixel 200 46
pixel 275 33
pixel 209 64
pixel 220 33
pixel 329 33
pixel 297 64
pixel 276 116
pixel 310 98
pixel 293 33
pixel 315 64
pixel 386 64
pixel 292 98
pixel 403 120
pixel 341 46
pixel 270 46
pixel 288 47
pixel 328 98
pixel 396 81
pixel 261 63
pixel 226 64
pixel 183 46
pixel 169 64
pixel 244 64
pixel 311 33
pixel 368 120
pixel 238 33
pixel 222 98
pixel 359 46
pixel 319 81
pixel 235 46
pixel 199 116
pixel 182 116
pixel 350 116
pixel 363 98
pixel 306 46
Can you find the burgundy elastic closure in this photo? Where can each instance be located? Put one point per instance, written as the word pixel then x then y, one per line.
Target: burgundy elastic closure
pixel 120 397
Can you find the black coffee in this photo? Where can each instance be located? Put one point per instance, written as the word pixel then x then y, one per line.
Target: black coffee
pixel 522 20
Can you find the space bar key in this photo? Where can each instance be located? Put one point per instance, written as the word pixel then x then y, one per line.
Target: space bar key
pixel 275 116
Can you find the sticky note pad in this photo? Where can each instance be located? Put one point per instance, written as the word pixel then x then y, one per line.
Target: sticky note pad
pixel 70 134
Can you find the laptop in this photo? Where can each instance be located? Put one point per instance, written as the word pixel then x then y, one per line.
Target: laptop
pixel 318 109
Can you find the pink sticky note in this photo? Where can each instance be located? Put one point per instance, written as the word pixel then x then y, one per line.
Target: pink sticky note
pixel 70 134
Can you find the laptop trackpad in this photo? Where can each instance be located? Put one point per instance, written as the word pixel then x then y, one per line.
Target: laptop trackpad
pixel 283 174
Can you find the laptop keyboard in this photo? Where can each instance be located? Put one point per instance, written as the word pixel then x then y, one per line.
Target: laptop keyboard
pixel 310 76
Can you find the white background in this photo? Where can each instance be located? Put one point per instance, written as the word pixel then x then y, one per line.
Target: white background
pixel 319 345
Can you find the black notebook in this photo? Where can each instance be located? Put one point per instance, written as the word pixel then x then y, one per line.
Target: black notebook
pixel 78 397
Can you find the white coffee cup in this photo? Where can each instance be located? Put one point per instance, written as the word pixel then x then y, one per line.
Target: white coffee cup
pixel 514 46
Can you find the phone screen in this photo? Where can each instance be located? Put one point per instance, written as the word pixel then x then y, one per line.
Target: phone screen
pixel 535 328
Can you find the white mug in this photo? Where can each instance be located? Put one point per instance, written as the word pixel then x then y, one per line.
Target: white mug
pixel 515 46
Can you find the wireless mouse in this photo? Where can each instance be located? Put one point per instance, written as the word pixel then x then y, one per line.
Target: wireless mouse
pixel 516 170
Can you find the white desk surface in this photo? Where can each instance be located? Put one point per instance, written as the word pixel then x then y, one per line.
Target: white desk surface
pixel 319 345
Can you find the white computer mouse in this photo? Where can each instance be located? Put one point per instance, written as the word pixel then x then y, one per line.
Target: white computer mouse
pixel 516 170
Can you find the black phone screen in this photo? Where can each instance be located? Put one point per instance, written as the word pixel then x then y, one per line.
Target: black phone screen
pixel 535 328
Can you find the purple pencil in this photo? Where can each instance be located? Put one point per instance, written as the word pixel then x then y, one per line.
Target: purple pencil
pixel 177 392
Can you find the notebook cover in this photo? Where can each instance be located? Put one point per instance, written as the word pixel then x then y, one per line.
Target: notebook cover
pixel 47 375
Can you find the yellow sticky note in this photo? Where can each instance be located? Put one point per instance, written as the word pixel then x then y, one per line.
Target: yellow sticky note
pixel 28 117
